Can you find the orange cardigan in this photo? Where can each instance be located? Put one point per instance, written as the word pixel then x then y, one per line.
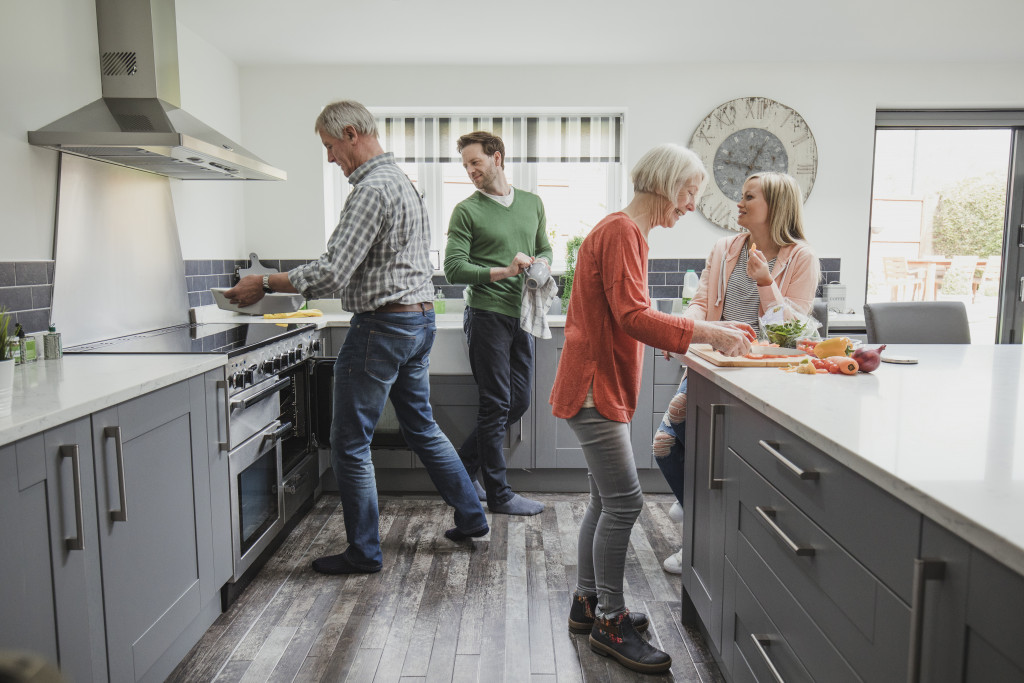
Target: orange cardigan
pixel 608 322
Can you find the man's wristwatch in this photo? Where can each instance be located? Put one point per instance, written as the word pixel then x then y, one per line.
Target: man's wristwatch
pixel 266 284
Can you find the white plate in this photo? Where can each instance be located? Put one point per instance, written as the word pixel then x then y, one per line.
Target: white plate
pixel 270 303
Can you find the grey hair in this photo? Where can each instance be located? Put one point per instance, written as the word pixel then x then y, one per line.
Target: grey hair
pixel 666 168
pixel 338 115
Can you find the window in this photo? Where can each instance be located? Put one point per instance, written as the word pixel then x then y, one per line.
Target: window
pixel 939 214
pixel 572 161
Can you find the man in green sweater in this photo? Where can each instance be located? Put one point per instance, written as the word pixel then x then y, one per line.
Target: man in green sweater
pixel 493 236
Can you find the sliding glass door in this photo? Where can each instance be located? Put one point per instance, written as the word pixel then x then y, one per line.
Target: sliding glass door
pixel 947 194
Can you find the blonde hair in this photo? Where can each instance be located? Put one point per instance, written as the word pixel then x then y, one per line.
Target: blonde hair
pixel 339 115
pixel 785 206
pixel 664 171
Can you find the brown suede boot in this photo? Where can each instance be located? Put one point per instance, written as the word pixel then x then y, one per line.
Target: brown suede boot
pixel 618 638
pixel 581 615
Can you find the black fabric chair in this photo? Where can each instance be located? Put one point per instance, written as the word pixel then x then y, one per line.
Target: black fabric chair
pixel 820 313
pixel 917 322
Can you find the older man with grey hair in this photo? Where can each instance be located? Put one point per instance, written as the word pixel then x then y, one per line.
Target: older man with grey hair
pixel 378 259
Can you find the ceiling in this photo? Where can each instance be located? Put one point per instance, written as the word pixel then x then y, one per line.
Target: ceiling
pixel 468 32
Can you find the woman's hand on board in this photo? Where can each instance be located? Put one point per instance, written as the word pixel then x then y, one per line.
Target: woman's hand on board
pixel 727 337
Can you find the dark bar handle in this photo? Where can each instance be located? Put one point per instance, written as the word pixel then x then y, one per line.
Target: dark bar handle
pixel 78 542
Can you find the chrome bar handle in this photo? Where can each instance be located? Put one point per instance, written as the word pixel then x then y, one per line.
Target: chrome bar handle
pixel 250 401
pixel 114 433
pixel 716 410
pixel 224 445
pixel 801 474
pixel 924 571
pixel 768 515
pixel 78 542
pixel 762 643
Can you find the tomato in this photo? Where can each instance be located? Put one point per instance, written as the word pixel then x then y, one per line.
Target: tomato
pixel 819 363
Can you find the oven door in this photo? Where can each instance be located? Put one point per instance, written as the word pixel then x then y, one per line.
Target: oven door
pixel 387 433
pixel 257 498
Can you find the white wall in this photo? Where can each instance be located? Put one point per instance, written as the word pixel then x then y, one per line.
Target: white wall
pixel 662 103
pixel 49 67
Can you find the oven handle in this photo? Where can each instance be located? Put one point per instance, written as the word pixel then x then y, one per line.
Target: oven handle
pixel 279 432
pixel 225 445
pixel 249 401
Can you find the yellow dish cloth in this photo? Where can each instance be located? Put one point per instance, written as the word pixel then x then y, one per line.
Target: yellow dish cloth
pixel 307 313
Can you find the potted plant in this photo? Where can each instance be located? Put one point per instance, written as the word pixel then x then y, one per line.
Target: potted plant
pixel 571 247
pixel 6 365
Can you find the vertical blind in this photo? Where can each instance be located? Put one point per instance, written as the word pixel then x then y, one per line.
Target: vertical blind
pixel 527 138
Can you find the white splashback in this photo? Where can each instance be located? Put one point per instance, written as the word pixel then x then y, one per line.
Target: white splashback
pixel 118 265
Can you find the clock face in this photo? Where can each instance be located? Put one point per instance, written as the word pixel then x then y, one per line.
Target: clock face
pixel 746 136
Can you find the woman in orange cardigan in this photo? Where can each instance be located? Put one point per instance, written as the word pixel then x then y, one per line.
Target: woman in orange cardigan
pixel 598 379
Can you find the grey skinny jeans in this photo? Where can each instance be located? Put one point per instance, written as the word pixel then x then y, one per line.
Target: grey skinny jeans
pixel 615 503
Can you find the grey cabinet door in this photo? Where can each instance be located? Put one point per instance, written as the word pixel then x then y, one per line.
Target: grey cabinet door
pixel 49 571
pixel 972 615
pixel 556 443
pixel 150 470
pixel 704 505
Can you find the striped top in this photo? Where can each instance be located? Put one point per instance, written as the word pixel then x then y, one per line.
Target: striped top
pixel 742 300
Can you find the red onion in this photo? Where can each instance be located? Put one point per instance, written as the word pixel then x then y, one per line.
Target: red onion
pixel 868 359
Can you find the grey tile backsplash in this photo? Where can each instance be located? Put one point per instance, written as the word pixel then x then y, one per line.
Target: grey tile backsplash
pixel 26 292
pixel 26 287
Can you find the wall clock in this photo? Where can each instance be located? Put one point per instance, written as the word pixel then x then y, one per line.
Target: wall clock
pixel 744 136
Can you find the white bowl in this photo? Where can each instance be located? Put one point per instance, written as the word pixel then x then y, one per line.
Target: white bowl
pixel 277 302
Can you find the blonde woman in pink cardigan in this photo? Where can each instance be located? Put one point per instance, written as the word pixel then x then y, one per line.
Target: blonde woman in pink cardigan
pixel 744 276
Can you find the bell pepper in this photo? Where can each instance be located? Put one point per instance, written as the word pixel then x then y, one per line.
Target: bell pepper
pixel 834 346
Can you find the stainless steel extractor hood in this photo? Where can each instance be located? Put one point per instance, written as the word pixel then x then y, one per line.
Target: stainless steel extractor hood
pixel 138 122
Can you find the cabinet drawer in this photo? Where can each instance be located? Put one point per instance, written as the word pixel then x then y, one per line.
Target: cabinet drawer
pixel 881 532
pixel 777 617
pixel 863 620
pixel 667 371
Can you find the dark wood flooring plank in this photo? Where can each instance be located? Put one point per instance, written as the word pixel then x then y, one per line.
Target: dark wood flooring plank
pixel 471 620
pixel 669 639
pixel 265 661
pixel 408 600
pixel 517 621
pixel 441 664
pixel 337 666
pixel 421 639
pixel 492 638
pixel 542 653
pixel 298 649
pixel 567 661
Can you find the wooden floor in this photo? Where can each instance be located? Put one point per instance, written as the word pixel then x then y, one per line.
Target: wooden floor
pixel 494 610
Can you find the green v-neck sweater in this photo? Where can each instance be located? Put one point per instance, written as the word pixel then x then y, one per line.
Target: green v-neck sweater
pixel 483 234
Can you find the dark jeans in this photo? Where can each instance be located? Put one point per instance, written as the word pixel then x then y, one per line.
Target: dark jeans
pixel 501 356
pixel 671 465
pixel 389 354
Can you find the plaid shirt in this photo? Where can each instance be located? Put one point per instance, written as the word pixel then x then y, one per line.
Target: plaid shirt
pixel 379 253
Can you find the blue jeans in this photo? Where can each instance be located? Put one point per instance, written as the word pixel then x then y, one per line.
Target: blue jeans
pixel 671 463
pixel 389 354
pixel 501 357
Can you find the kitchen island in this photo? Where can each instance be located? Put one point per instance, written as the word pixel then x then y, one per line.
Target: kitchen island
pixel 859 527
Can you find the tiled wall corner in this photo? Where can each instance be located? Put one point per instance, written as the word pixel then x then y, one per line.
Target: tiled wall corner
pixel 26 291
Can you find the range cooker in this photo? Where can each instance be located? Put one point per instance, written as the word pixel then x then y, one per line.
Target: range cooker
pixel 265 424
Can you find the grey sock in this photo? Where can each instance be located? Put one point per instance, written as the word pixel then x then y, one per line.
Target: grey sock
pixel 480 493
pixel 517 505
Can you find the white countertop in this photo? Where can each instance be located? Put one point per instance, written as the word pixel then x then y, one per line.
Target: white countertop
pixel 48 393
pixel 333 316
pixel 945 436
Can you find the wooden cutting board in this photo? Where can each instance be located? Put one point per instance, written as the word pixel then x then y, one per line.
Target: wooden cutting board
pixel 715 358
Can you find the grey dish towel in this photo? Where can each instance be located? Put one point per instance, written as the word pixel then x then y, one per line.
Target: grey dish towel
pixel 534 315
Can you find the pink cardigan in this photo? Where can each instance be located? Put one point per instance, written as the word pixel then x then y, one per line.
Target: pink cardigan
pixel 794 277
